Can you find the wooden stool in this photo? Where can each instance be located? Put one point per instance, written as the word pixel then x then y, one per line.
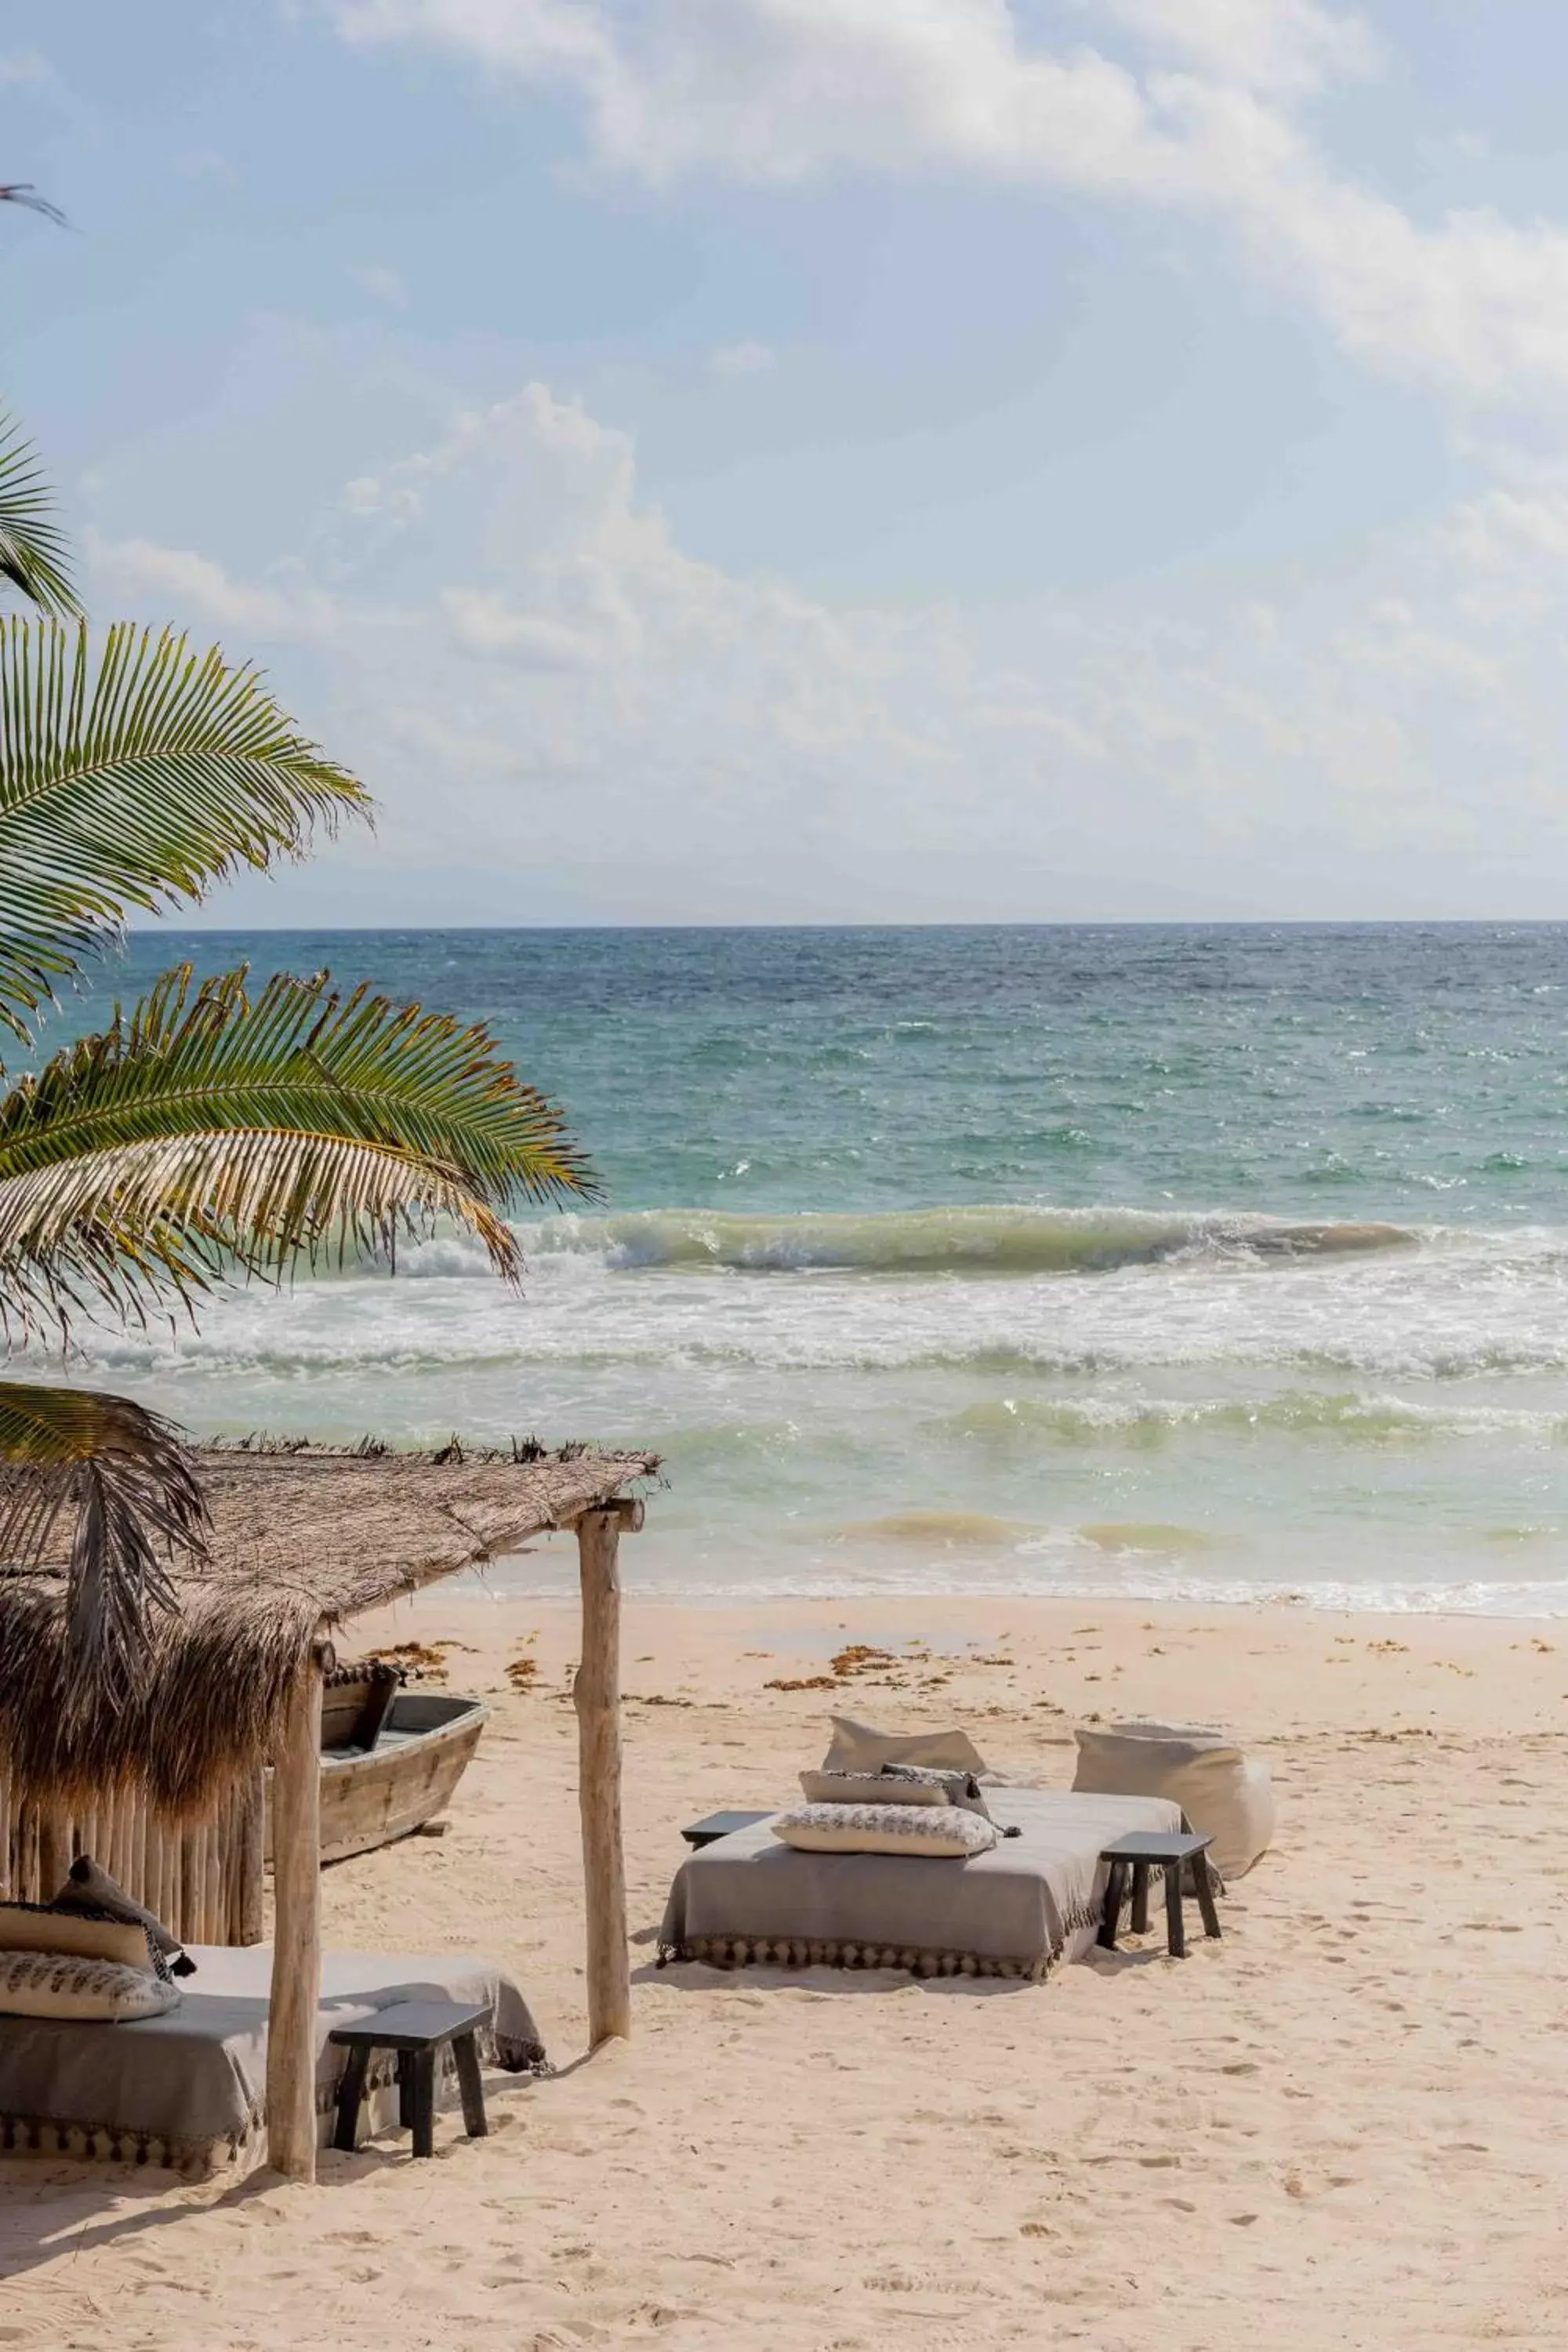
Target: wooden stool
pixel 415 2030
pixel 1143 1851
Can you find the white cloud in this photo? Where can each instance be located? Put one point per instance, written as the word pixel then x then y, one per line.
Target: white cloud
pixel 742 359
pixel 22 68
pixel 503 634
pixel 206 163
pixel 178 581
pixel 483 623
pixel 1288 46
pixel 382 285
pixel 785 91
pixel 777 90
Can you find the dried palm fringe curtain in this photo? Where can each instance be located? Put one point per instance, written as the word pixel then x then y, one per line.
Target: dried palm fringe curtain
pixel 202 1879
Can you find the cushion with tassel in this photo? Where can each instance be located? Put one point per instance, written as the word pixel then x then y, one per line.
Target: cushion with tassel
pixel 64 1985
pixel 925 1833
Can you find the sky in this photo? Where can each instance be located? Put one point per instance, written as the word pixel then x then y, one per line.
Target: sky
pixel 833 460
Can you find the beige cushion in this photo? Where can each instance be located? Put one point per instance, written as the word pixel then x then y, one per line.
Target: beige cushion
pixel 30 1927
pixel 1226 1796
pixel 63 1984
pixel 89 1889
pixel 869 1788
pixel 857 1748
pixel 927 1832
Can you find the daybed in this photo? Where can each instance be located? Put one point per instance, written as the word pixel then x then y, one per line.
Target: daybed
pixel 1032 1900
pixel 187 2089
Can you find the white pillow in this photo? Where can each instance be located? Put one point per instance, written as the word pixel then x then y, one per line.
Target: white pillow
pixel 857 1748
pixel 1225 1795
pixel 940 1832
pixel 62 1984
pixel 869 1788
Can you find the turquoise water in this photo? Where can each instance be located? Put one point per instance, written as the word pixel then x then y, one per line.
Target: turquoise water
pixel 1169 1260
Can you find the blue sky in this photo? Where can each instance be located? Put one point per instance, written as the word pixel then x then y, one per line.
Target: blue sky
pixel 835 460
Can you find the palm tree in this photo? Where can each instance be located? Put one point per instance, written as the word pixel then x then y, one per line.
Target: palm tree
pixel 213 1132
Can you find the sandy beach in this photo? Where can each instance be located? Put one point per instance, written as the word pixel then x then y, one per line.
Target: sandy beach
pixel 1339 2126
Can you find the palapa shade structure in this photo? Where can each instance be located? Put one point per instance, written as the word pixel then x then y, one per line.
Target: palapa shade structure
pixel 303 1539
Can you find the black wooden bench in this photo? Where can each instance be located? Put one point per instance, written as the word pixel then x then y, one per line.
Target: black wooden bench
pixel 1141 1852
pixel 417 2030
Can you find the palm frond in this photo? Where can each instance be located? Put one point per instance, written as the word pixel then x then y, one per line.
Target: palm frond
pixel 135 778
pixel 33 551
pixel 122 1229
pixel 207 1133
pixel 23 193
pixel 120 1476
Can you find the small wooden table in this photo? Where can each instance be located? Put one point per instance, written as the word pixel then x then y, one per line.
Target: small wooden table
pixel 1141 1852
pixel 415 2030
pixel 720 1825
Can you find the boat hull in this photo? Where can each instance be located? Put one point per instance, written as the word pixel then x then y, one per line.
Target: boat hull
pixel 408 1777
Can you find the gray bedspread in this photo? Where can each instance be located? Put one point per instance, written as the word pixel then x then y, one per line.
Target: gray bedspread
pixel 1013 1912
pixel 187 2089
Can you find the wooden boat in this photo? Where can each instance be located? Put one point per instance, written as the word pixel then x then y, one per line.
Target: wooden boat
pixel 391 1759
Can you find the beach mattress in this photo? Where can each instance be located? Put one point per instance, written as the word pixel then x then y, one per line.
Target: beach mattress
pixel 748 1899
pixel 188 2089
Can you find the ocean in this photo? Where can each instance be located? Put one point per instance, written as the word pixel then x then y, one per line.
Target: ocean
pixel 1166 1262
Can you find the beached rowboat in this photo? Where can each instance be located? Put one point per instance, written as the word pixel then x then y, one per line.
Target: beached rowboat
pixel 391 1761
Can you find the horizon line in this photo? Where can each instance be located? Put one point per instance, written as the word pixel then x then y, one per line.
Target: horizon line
pixel 924 923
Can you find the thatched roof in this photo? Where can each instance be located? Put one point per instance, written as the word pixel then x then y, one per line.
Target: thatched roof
pixel 302 1537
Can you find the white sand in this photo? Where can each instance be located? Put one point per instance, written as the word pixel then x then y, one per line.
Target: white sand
pixel 1344 2125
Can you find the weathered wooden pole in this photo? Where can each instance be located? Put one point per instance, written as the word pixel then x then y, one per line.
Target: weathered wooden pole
pixel 296 1927
pixel 597 1695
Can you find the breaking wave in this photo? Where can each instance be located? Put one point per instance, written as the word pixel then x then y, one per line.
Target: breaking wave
pixel 1007 1241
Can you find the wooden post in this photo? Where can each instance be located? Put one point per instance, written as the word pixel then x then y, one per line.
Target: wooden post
pixel 295 1930
pixel 597 1695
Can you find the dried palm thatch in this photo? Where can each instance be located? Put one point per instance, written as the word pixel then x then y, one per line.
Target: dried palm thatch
pixel 304 1536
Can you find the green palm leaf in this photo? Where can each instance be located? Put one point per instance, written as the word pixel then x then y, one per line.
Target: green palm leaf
pixel 119 1473
pixel 207 1133
pixel 122 1229
pixel 32 555
pixel 135 779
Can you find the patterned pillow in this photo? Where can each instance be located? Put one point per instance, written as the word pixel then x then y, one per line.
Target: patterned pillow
pixel 953 1788
pixel 869 1789
pixel 63 1985
pixel 938 1833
